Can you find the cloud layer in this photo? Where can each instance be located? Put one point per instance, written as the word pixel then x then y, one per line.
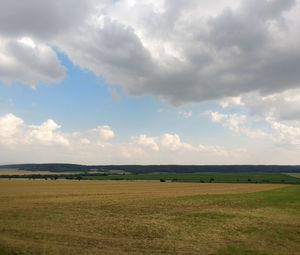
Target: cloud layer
pixel 180 51
pixel 96 145
pixel 46 142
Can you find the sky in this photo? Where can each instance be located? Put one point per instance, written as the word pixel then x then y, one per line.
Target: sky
pixel 150 81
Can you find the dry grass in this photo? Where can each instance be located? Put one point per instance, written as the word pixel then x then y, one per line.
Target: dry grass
pixel 297 175
pixel 26 172
pixel 111 217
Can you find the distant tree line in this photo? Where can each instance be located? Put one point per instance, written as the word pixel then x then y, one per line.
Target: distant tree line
pixel 141 169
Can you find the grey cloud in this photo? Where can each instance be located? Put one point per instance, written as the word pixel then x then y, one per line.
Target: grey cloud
pixel 233 29
pixel 265 9
pixel 41 21
pixel 176 53
pixel 233 53
pixel 113 51
pixel 41 18
pixel 30 65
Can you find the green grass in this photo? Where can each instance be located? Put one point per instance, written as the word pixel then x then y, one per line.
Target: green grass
pixel 4 251
pixel 231 250
pixel 247 177
pixel 283 198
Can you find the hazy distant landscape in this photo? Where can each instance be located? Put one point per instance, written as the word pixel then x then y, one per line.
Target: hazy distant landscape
pixel 174 173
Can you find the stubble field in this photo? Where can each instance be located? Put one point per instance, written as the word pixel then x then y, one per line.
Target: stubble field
pixel 119 217
pixel 24 172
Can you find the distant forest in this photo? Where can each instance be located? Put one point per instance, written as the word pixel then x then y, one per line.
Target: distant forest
pixel 139 169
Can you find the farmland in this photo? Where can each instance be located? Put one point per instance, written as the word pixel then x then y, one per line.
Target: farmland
pixel 251 177
pixel 129 217
pixel 297 175
pixel 218 177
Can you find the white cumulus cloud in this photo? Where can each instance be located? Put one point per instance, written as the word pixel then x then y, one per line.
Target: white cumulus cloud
pixel 146 141
pixel 10 128
pixel 47 134
pixel 104 132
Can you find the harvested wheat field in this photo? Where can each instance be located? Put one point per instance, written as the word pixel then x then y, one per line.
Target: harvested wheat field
pixel 24 172
pixel 297 175
pixel 119 217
